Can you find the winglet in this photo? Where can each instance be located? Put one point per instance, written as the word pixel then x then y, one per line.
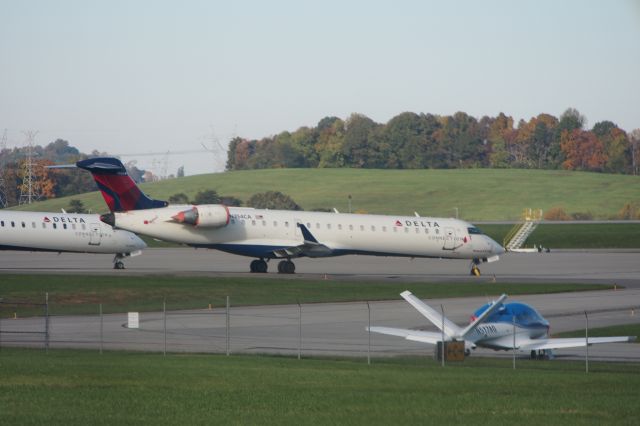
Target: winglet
pixel 119 191
pixel 307 235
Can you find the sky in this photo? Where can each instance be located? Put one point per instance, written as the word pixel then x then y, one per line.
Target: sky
pixel 142 78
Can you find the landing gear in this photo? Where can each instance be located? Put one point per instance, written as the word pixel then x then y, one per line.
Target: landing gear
pixel 286 267
pixel 258 266
pixel 475 271
pixel 117 261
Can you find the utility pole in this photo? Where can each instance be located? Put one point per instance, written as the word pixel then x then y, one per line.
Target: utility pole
pixel 3 189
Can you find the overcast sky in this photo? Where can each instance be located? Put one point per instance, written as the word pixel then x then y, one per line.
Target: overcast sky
pixel 154 76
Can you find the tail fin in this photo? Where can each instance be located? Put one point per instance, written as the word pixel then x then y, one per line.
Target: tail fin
pixel 118 189
pixel 496 304
pixel 450 329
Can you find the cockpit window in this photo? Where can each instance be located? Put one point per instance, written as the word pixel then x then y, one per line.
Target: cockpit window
pixel 474 231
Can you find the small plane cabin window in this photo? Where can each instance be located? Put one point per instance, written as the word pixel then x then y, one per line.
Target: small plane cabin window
pixel 33 225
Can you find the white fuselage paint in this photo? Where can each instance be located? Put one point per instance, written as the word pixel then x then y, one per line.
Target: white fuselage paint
pixel 500 335
pixel 46 231
pixel 256 232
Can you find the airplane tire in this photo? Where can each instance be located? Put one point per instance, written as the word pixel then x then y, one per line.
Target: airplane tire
pixel 258 266
pixel 118 265
pixel 286 267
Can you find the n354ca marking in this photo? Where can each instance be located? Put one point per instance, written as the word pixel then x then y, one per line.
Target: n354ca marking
pixel 285 235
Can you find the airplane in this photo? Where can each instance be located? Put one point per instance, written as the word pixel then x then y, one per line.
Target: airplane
pixel 64 232
pixel 492 326
pixel 278 234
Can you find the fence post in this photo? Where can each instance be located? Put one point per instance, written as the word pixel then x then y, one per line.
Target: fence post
pixel 228 326
pixel 101 329
pixel 513 319
pixel 299 329
pixel 164 320
pixel 442 310
pixel 46 322
pixel 369 335
pixel 586 338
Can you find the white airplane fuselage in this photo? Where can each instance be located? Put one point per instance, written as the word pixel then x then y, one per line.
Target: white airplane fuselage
pixel 64 232
pixel 268 233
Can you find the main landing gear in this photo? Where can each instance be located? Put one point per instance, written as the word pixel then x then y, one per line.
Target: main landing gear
pixel 284 266
pixel 258 266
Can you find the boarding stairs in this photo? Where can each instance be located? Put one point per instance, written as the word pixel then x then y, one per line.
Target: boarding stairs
pixel 516 238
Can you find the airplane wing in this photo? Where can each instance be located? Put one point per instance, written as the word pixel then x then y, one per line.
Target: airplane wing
pixel 573 342
pixel 310 247
pixel 431 337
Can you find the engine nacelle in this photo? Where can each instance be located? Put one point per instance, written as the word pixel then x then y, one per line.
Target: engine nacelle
pixel 209 216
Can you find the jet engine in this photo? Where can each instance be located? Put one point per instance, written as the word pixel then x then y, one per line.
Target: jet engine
pixel 210 216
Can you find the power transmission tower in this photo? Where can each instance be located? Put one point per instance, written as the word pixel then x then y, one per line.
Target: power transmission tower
pixel 28 189
pixel 3 189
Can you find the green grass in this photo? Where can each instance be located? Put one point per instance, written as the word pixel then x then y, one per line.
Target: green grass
pixel 575 235
pixel 77 294
pixel 479 194
pixel 76 387
pixel 614 330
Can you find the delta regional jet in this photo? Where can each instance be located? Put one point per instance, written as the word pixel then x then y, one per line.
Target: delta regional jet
pixel 496 325
pixel 63 232
pixel 285 235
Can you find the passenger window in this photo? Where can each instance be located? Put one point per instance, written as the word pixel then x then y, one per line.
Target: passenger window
pixel 339 227
pixel 13 224
pixel 264 223
pixel 308 225
pixel 350 227
pixel 328 226
pixel 395 229
pixel 426 230
pixel 2 223
pixel 437 231
pixel 406 230
pixel 286 224
pixel 73 226
pixel 24 224
pixel 317 226
pixel 384 229
pixel 373 228
pixel 64 225
pixel 55 226
pixel 33 225
pixel 44 225
pixel 417 230
pixel 275 223
pixel 84 227
pixel 362 227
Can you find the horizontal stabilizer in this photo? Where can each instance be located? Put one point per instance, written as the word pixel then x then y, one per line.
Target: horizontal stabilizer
pixel 431 337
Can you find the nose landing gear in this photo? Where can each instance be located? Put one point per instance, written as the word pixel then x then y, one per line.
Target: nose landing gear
pixel 475 271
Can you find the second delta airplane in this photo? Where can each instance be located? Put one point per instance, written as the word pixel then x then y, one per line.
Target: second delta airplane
pixel 281 234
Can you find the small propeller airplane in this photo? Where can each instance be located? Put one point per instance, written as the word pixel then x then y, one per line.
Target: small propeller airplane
pixel 493 326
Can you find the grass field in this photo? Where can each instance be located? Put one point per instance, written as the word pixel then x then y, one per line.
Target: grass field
pixel 77 294
pixel 614 330
pixel 575 235
pixel 479 194
pixel 80 388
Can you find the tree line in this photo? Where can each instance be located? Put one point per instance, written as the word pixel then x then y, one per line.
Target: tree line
pixel 423 141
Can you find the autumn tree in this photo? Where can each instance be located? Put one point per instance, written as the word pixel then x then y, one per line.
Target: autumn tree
pixel 582 151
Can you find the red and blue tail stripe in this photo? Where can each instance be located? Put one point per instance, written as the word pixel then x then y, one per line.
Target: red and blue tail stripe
pixel 118 189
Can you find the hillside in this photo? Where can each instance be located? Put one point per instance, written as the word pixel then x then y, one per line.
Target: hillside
pixel 479 194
